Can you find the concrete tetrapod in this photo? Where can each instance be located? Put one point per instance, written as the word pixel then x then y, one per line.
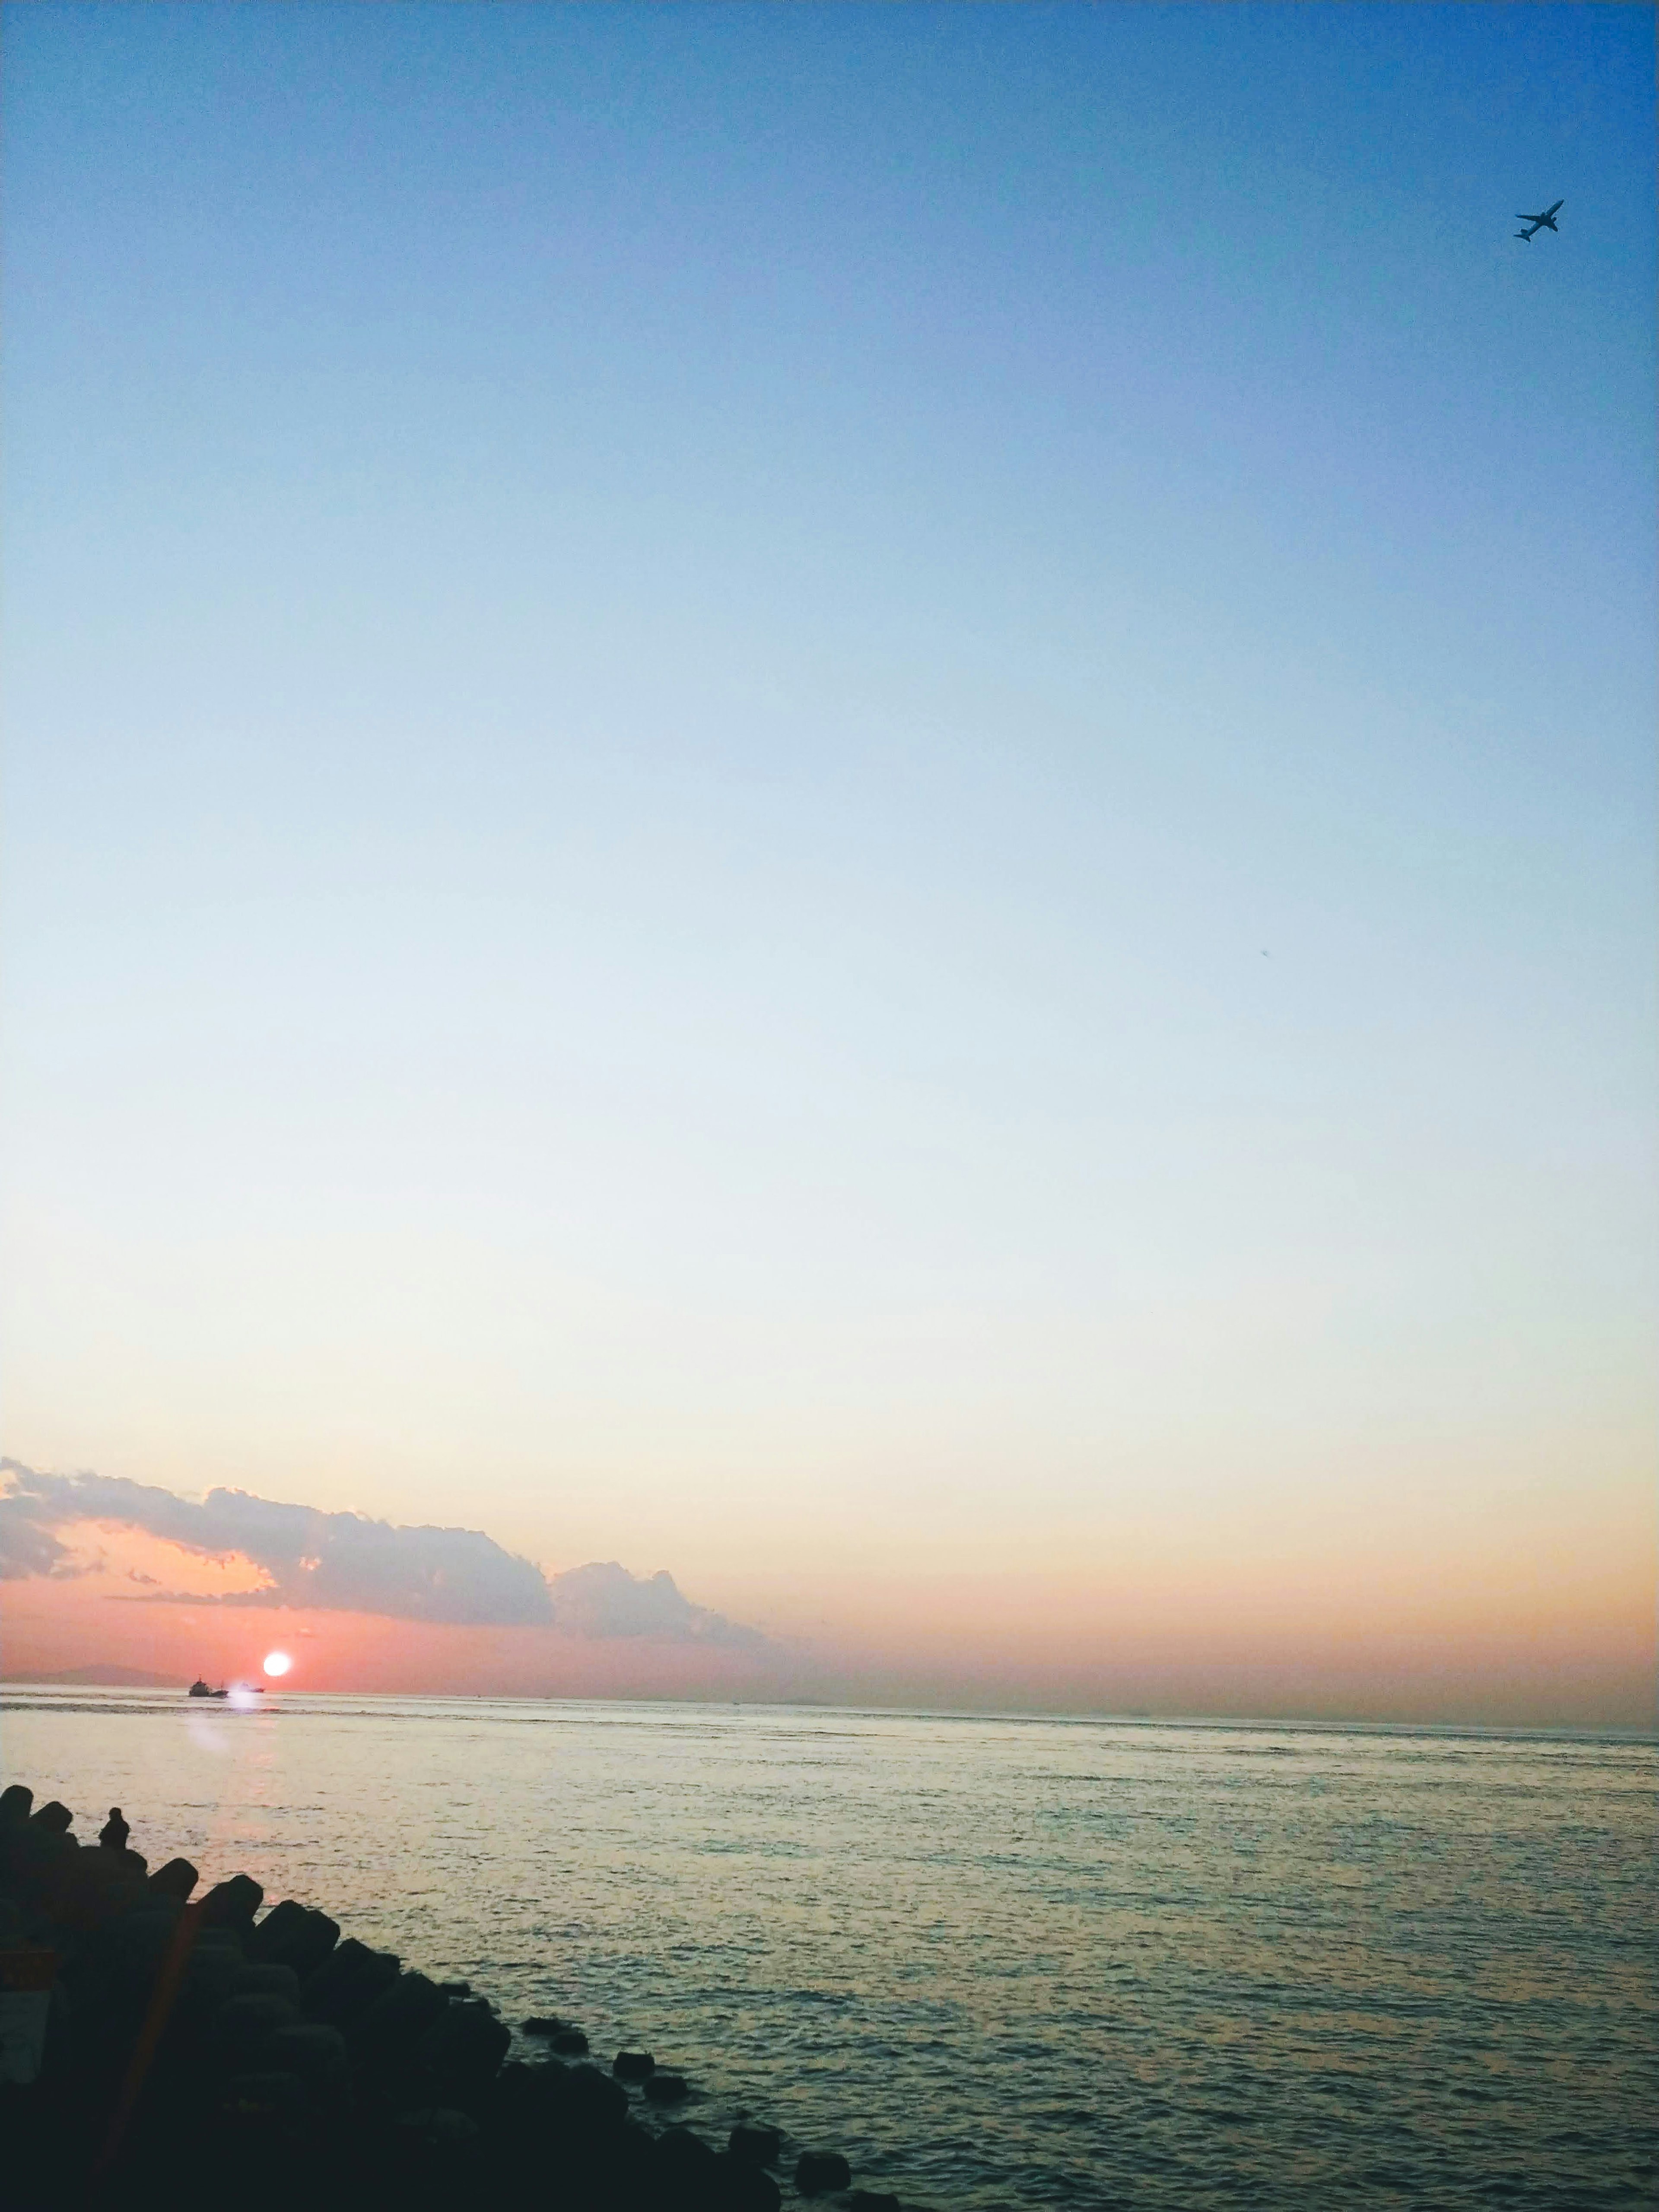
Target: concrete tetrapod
pixel 819 2171
pixel 283 2067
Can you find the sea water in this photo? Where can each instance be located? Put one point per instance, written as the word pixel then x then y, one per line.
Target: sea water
pixel 999 1962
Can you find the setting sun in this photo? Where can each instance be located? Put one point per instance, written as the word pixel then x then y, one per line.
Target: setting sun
pixel 277 1662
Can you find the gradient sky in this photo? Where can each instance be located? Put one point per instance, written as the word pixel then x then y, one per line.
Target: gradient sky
pixel 858 799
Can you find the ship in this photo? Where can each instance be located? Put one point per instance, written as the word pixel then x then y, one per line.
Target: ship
pixel 198 1688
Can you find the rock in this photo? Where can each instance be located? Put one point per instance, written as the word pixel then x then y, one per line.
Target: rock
pixel 632 2175
pixel 37 1857
pixel 316 2055
pixel 386 2033
pixel 267 1939
pixel 457 1988
pixel 439 2127
pixel 633 2065
pixel 465 2045
pixel 267 1981
pixel 52 1818
pixel 738 2185
pixel 756 2145
pixel 14 1803
pixel 244 2025
pixel 668 2089
pixel 377 1974
pixel 819 2171
pixel 348 1983
pixel 568 2042
pixel 210 1969
pixel 549 2026
pixel 430 2158
pixel 321 1984
pixel 292 1934
pixel 573 2115
pixel 136 1943
pixel 262 2096
pixel 176 1878
pixel 873 2200
pixel 96 1887
pixel 590 2102
pixel 683 2158
pixel 233 1903
pixel 519 2099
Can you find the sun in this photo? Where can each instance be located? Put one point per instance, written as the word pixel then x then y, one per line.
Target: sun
pixel 277 1662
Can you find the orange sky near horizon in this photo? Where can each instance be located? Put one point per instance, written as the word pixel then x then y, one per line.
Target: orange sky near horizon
pixel 1368 1646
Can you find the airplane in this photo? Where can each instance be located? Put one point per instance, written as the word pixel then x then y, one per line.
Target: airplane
pixel 1545 221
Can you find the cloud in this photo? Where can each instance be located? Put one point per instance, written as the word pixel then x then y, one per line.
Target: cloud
pixel 604 1600
pixel 28 1546
pixel 333 1562
pixel 347 1563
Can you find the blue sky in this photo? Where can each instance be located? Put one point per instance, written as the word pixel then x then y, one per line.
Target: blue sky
pixel 838 792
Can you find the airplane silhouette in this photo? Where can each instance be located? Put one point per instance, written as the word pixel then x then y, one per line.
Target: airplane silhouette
pixel 1545 221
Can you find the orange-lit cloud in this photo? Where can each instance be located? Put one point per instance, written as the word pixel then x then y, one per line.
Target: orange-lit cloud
pixel 136 1545
pixel 336 1561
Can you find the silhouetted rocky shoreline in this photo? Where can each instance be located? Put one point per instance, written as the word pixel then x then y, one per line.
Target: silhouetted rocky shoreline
pixel 164 2047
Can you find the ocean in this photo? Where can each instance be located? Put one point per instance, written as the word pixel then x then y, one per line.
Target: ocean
pixel 999 1962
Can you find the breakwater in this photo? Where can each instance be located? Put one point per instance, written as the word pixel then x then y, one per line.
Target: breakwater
pixel 166 2044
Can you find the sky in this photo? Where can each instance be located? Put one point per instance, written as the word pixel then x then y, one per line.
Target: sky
pixel 852 803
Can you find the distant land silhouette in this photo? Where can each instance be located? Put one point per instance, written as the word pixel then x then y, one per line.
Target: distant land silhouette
pixel 106 1677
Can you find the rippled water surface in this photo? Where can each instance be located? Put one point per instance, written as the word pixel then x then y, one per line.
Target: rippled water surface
pixel 999 1962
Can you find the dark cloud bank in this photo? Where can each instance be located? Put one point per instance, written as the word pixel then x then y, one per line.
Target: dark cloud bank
pixel 346 1563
